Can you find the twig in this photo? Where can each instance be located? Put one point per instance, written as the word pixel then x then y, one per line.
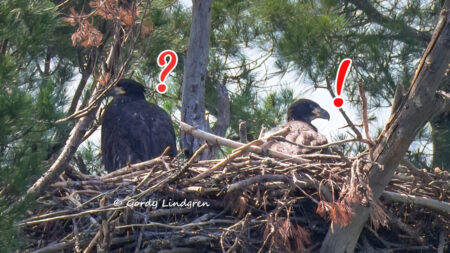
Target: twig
pixel 85 74
pixel 139 242
pixel 383 241
pixel 257 179
pixel 157 224
pixel 70 216
pixel 172 177
pixel 442 242
pixel 349 122
pixel 296 181
pixel 93 242
pixel 236 240
pixel 416 172
pixel 408 229
pixel 235 153
pixel 262 132
pixel 166 150
pixel 326 145
pixel 127 169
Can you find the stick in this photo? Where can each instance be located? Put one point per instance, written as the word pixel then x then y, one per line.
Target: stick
pixel 172 177
pixel 235 153
pixel 366 141
pixel 421 201
pixel 70 216
pixel 349 121
pixel 442 242
pixel 257 179
pixel 234 144
pixel 188 225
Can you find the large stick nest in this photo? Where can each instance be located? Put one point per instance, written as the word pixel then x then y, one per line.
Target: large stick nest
pixel 245 203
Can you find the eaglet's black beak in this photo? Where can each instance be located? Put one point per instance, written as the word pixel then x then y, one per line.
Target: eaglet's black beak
pixel 321 113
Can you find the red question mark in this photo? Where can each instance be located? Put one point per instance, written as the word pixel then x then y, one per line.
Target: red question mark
pixel 342 72
pixel 168 67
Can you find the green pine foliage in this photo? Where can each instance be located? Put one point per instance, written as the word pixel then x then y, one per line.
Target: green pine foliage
pixel 29 102
pixel 32 97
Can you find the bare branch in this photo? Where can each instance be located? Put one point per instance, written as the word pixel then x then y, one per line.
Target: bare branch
pixel 349 121
pixel 235 153
pixel 233 144
pixel 85 74
pixel 440 206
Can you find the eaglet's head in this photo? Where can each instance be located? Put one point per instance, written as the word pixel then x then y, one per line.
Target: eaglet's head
pixel 129 88
pixel 306 110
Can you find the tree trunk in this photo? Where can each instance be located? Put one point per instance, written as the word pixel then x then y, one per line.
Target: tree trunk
pixel 223 118
pixel 193 108
pixel 421 103
pixel 440 128
pixel 440 136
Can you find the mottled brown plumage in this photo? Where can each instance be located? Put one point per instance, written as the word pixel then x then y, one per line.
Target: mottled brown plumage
pixel 301 131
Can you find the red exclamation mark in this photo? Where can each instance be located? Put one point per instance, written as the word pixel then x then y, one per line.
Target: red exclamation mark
pixel 342 72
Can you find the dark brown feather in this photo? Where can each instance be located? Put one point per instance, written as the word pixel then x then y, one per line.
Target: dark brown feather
pixel 134 130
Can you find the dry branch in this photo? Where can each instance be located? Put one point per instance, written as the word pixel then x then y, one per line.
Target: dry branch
pixel 344 114
pixel 432 204
pixel 217 140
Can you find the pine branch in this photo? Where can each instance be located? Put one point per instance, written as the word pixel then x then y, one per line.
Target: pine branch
pixel 400 27
pixel 77 133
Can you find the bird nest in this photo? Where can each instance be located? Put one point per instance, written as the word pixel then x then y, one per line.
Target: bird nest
pixel 243 203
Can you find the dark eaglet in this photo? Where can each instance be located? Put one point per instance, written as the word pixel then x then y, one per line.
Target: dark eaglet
pixel 134 130
pixel 301 132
